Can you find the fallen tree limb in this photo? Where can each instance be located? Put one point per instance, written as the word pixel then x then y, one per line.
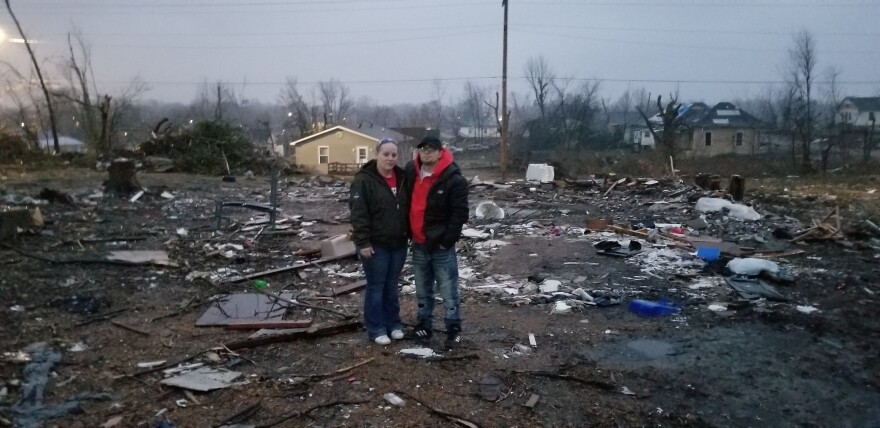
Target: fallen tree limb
pixel 103 317
pixel 605 386
pixel 311 409
pixel 312 332
pixel 68 261
pixel 306 305
pixel 284 269
pixel 129 328
pixel 457 420
pixel 241 416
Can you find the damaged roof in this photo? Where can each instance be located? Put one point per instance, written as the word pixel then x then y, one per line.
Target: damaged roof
pixel 722 115
pixel 865 103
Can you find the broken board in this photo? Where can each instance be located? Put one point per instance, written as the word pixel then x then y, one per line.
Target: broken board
pixel 203 379
pixel 159 258
pixel 245 307
pixel 752 289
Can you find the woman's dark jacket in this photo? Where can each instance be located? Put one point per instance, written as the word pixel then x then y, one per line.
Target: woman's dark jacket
pixel 378 217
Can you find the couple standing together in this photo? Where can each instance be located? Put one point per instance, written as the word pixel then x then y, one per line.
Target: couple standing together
pixel 426 202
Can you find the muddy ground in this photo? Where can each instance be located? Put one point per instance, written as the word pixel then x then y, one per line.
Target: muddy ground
pixel 758 363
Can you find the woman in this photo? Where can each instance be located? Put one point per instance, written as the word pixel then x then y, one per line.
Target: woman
pixel 379 224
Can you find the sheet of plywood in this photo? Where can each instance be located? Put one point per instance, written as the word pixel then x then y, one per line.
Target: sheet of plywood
pixel 250 307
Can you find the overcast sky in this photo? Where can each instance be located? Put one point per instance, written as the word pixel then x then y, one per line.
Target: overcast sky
pixel 392 50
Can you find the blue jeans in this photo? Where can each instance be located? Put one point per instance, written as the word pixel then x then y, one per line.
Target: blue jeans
pixel 382 296
pixel 440 266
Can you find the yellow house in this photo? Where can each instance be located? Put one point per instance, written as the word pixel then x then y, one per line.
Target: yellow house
pixel 340 150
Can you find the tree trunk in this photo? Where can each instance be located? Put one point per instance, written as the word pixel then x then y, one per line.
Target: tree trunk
pixel 104 138
pixel 123 180
pixel 40 76
pixel 737 188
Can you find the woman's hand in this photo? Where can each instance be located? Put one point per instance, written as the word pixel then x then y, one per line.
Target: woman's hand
pixel 367 252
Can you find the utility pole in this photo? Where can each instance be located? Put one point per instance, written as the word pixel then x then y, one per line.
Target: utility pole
pixel 504 116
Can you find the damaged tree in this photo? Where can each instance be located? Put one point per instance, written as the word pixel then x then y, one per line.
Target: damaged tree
pixel 40 76
pixel 668 117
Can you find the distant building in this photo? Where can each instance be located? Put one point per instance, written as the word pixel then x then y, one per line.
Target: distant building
pixel 343 150
pixel 857 111
pixel 722 129
pixel 65 143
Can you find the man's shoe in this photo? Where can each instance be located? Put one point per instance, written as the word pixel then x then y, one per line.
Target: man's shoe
pixel 397 334
pixel 382 340
pixel 419 333
pixel 453 337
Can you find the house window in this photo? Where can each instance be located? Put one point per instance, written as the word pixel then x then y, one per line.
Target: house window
pixel 323 154
pixel 738 139
pixel 708 139
pixel 361 155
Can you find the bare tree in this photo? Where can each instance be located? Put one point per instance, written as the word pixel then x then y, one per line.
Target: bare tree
pixel 437 94
pixel 335 99
pixel 802 59
pixel 472 106
pixel 299 113
pixel 27 44
pixel 540 77
pixel 101 115
pixel 668 125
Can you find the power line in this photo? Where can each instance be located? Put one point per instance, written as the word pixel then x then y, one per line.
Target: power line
pixel 685 46
pixel 449 79
pixel 305 45
pixel 673 30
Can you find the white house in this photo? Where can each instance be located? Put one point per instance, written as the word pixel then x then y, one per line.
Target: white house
pixel 857 111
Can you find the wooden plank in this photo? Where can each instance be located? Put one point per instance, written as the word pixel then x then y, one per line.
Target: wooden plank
pixel 256 324
pixel 346 289
pixel 284 269
pixel 310 333
pixel 630 232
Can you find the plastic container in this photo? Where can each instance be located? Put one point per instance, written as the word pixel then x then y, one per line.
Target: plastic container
pixel 261 284
pixel 647 308
pixel 709 254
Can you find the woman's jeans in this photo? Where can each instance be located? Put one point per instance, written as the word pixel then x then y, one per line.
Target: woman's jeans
pixel 382 296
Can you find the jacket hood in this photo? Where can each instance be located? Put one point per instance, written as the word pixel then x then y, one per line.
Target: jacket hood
pixel 443 163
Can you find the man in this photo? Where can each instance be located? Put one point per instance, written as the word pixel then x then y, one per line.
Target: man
pixel 438 208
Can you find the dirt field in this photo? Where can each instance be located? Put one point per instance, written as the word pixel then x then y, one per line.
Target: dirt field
pixel 755 363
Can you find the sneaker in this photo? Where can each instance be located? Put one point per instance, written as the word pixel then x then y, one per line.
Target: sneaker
pixel 397 334
pixel 453 337
pixel 419 333
pixel 382 340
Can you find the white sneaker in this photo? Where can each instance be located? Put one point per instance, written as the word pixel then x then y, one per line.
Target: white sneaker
pixel 397 334
pixel 382 340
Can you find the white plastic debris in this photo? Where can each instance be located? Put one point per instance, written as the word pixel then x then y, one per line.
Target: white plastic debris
pixel 150 364
pixel 738 211
pixel 752 266
pixel 167 195
pixel 489 210
pixel 474 233
pixel 717 308
pixel 181 231
pixel 627 391
pixel 561 308
pixel 394 399
pixel 539 172
pixel 78 347
pixel 583 295
pixel 550 286
pixel 743 212
pixel 806 309
pixel 136 196
pixel 419 352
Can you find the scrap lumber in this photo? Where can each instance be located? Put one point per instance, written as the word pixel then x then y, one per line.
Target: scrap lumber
pixel 310 333
pixel 630 232
pixel 295 267
pixel 345 289
pixel 613 185
pixel 129 328
pixel 256 324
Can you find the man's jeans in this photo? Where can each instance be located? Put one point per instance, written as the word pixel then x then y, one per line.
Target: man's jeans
pixel 382 296
pixel 441 266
